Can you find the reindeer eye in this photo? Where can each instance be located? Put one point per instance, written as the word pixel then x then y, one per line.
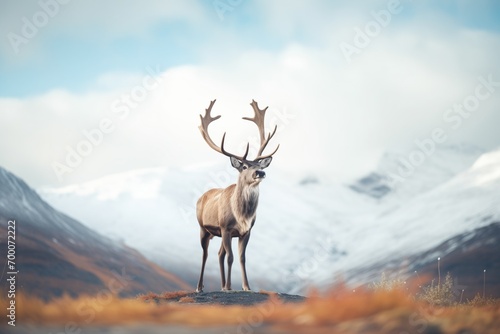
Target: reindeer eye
pixel 244 167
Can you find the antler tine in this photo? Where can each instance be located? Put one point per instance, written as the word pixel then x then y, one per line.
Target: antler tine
pixel 205 122
pixel 258 119
pixel 260 157
pixel 264 144
pixel 244 157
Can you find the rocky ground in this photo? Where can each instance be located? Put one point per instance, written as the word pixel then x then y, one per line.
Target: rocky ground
pixel 244 298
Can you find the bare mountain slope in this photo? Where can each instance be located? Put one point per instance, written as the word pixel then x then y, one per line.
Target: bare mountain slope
pixel 56 254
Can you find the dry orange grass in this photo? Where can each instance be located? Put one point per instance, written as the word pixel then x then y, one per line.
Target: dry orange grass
pixel 166 296
pixel 186 300
pixel 341 310
pixel 269 293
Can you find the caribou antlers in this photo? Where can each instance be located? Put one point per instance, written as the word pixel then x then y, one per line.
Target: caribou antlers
pixel 258 119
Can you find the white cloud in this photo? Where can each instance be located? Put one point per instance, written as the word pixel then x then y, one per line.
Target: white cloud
pixel 100 20
pixel 394 91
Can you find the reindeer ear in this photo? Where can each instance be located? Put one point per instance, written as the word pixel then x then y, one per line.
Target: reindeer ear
pixel 264 163
pixel 236 163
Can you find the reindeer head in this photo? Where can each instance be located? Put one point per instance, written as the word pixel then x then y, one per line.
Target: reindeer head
pixel 251 171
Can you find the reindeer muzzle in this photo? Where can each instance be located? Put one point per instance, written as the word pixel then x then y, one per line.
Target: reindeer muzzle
pixel 260 174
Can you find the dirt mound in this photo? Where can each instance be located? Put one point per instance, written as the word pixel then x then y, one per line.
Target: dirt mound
pixel 246 298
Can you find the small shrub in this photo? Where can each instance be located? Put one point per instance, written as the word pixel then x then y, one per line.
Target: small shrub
pixel 168 295
pixel 386 284
pixel 479 300
pixel 148 297
pixel 173 295
pixel 440 294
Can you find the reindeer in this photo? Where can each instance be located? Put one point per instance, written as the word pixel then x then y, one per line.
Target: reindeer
pixel 230 212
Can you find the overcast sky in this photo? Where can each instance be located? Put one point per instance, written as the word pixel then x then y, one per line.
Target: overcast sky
pixel 344 81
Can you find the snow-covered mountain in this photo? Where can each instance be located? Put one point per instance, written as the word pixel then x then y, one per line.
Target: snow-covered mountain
pixel 56 254
pixel 308 231
pixel 461 206
pixel 398 178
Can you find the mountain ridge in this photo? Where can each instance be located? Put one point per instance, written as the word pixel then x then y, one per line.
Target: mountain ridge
pixel 55 254
pixel 306 233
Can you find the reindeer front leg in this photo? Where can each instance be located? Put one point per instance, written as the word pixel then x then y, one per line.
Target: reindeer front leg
pixel 226 242
pixel 222 256
pixel 205 241
pixel 242 243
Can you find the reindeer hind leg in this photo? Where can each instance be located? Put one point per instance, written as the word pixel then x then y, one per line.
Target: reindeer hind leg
pixel 242 243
